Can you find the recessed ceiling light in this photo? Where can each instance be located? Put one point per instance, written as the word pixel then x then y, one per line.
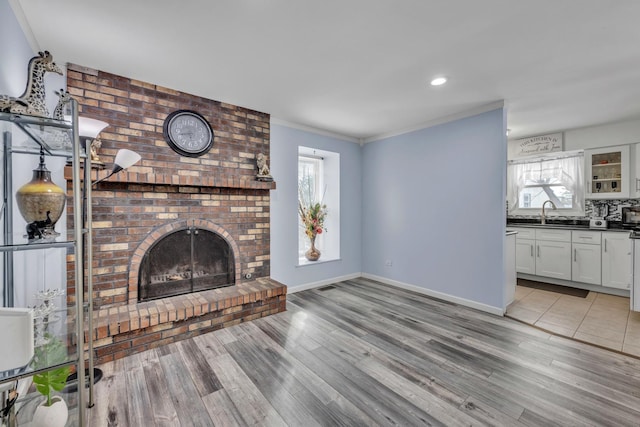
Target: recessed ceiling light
pixel 438 81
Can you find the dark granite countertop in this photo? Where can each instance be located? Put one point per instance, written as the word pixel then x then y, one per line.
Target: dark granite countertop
pixel 565 225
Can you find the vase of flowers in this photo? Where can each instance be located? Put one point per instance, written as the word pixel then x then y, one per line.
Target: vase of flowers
pixel 312 215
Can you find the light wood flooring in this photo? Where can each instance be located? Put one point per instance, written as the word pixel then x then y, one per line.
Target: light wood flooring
pixel 599 319
pixel 363 353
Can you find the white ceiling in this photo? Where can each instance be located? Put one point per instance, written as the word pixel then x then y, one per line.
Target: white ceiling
pixel 361 68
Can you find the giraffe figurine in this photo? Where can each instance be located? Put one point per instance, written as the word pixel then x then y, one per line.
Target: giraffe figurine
pixel 7 101
pixel 64 98
pixel 32 101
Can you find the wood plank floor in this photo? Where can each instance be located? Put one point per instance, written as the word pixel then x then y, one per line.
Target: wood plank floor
pixel 363 353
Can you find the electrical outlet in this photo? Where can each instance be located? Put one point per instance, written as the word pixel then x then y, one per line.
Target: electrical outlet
pixel 388 263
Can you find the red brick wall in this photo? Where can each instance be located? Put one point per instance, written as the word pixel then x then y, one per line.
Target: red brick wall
pixel 218 187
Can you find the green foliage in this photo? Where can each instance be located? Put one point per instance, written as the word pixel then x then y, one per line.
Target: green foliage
pixel 51 353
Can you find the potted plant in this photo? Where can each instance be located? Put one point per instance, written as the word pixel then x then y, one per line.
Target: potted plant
pixel 53 411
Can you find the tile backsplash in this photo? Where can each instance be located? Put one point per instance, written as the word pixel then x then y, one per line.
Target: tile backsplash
pixel 591 209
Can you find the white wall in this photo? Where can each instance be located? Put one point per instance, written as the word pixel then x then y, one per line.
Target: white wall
pixel 627 132
pixel 284 216
pixel 433 205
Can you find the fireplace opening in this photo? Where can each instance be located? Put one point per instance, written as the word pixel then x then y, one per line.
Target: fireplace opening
pixel 185 261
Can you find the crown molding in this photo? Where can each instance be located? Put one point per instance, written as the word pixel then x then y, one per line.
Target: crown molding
pixel 281 122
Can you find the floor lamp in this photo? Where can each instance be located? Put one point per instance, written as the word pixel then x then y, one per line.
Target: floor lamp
pixel 88 130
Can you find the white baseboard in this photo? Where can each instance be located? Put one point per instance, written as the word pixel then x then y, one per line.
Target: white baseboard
pixel 457 300
pixel 306 286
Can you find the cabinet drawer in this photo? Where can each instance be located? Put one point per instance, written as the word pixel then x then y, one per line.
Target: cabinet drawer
pixel 524 233
pixel 553 235
pixel 589 237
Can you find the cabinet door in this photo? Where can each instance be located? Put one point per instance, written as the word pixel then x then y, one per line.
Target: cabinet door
pixel 553 259
pixel 607 172
pixel 586 264
pixel 616 260
pixel 635 171
pixel 525 257
pixel 510 278
pixel 635 289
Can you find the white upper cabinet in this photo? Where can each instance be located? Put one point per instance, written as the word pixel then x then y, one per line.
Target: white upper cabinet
pixel 635 173
pixel 607 173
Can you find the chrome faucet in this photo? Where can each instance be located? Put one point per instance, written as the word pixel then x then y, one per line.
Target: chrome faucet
pixel 542 216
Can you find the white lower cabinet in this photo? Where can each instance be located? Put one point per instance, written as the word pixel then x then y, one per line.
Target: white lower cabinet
pixel 525 257
pixel 616 260
pixel 553 259
pixel 586 264
pixel 510 277
pixel 635 289
pixel 583 256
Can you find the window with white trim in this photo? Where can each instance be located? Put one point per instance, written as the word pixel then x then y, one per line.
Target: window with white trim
pixel 534 180
pixel 319 182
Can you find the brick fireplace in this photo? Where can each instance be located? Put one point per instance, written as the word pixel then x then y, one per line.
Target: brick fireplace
pixel 167 193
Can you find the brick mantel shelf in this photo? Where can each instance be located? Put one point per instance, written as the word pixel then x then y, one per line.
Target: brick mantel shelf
pixel 133 177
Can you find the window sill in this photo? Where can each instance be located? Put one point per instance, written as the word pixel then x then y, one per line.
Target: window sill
pixel 303 262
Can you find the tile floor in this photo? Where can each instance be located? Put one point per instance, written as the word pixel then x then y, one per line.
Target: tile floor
pixel 599 319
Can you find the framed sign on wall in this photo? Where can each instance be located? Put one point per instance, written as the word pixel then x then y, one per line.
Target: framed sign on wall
pixel 536 145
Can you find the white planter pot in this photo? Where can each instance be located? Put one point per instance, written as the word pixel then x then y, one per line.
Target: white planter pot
pixel 55 415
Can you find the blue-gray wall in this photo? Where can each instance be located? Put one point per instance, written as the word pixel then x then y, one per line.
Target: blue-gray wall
pixel 15 53
pixel 284 200
pixel 433 203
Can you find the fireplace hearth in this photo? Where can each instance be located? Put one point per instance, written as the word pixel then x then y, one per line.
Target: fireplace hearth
pixel 185 261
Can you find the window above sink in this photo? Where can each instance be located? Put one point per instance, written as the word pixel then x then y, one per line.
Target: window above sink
pixel 534 180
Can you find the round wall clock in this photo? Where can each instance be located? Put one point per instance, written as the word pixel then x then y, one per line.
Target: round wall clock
pixel 188 133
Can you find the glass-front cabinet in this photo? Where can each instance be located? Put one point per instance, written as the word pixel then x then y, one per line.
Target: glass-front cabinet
pixel 607 172
pixel 635 173
pixel 41 325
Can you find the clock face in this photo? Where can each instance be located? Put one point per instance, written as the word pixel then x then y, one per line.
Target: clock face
pixel 188 133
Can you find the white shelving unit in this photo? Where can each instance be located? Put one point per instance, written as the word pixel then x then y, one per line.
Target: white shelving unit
pixel 56 139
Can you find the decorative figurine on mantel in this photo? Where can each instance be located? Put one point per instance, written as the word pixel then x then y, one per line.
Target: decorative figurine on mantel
pixel 32 101
pixel 263 169
pixel 96 163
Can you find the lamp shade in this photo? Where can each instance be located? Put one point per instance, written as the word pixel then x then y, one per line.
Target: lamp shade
pixel 90 128
pixel 126 158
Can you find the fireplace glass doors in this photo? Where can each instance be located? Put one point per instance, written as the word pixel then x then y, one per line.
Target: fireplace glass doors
pixel 185 261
